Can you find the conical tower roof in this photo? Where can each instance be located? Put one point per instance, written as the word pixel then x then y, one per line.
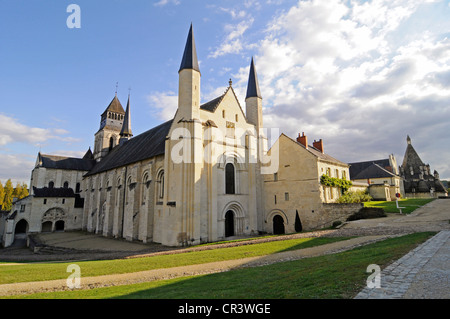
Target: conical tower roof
pixel 189 60
pixel 126 126
pixel 411 157
pixel 253 85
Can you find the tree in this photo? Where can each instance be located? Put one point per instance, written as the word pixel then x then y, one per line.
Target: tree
pixel 9 190
pixel 24 192
pixel 17 190
pixel 2 194
pixel 20 191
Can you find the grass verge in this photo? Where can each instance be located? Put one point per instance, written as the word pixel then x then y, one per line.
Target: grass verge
pixel 410 204
pixel 57 270
pixel 340 275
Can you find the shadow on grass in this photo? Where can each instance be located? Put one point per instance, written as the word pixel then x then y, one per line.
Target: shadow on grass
pixel 334 276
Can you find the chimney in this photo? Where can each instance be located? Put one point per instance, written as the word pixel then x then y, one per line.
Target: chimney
pixel 319 145
pixel 303 139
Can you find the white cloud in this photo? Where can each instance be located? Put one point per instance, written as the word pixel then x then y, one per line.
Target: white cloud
pixel 234 13
pixel 17 167
pixel 12 131
pixel 162 3
pixel 333 70
pixel 233 42
pixel 165 104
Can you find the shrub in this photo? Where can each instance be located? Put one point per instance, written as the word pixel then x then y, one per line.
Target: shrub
pixel 354 197
pixel 342 183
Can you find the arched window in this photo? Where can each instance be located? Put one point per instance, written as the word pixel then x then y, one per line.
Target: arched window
pixel 77 188
pixel 229 179
pixel 160 185
pixel 51 184
pixel 119 186
pixel 111 143
pixel 66 184
pixel 145 186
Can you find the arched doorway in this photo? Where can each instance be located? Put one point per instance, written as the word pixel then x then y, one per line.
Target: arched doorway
pixel 278 225
pixel 59 225
pixel 21 227
pixel 229 223
pixel 20 234
pixel 47 227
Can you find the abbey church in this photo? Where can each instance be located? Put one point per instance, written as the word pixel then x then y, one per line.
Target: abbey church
pixel 201 177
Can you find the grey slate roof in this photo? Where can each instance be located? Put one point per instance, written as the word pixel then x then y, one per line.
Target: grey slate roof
pixel 146 145
pixel 373 171
pixel 314 151
pixel 322 156
pixel 253 85
pixel 115 106
pixel 189 60
pixel 421 181
pixel 126 126
pixel 67 163
pixel 212 105
pixel 356 168
pixel 53 192
pixel 412 159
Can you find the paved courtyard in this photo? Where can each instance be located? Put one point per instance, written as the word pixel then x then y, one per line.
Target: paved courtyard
pixel 423 273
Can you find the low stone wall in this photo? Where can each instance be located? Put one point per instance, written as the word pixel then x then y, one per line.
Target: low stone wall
pixel 337 212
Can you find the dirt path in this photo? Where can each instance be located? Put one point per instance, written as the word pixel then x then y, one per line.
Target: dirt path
pixel 167 273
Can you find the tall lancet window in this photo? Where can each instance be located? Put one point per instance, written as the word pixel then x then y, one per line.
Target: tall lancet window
pixel 160 186
pixel 111 143
pixel 229 179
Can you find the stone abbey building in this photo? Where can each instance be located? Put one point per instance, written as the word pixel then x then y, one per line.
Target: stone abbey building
pixel 200 177
pixel 418 180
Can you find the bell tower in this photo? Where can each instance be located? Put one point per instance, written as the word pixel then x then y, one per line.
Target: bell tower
pixel 111 123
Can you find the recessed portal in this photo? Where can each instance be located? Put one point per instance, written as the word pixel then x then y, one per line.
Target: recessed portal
pixel 59 225
pixel 278 225
pixel 229 224
pixel 21 227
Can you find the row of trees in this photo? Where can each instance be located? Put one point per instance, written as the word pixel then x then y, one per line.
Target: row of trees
pixel 8 192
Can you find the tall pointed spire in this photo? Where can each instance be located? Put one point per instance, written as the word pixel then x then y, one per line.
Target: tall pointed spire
pixel 253 85
pixel 189 60
pixel 126 126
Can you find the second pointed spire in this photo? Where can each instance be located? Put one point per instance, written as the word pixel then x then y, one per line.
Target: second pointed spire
pixel 189 60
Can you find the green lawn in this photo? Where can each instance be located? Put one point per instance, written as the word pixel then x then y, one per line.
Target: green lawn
pixel 409 204
pixel 56 270
pixel 340 275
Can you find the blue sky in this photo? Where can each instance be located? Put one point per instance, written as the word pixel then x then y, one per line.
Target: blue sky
pixel 361 75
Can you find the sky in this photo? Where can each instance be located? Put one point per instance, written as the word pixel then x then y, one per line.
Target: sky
pixel 361 75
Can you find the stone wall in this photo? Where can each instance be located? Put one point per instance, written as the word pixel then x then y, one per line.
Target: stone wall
pixel 337 212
